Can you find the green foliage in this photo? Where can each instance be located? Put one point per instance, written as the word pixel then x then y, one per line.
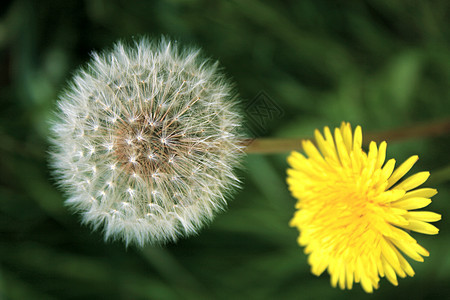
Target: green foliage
pixel 380 64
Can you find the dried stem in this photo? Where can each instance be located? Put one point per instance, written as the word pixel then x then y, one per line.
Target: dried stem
pixel 280 145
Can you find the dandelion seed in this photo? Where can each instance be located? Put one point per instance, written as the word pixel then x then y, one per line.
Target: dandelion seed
pixel 132 159
pixel 352 212
pixel 135 109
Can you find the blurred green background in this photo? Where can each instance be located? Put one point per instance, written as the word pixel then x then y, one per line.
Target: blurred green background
pixel 380 64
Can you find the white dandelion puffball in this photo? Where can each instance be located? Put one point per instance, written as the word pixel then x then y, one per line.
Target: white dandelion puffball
pixel 146 140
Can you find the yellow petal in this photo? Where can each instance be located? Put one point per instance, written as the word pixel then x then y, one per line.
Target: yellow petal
pixel 390 196
pixel 294 175
pixel 357 139
pixel 381 155
pixel 330 147
pixel 295 158
pixel 312 151
pixel 366 284
pixel 408 250
pixel 389 254
pixel 300 163
pixel 346 130
pixel 320 142
pixel 319 267
pixel 402 170
pixel 349 277
pixel 424 193
pixel 413 181
pixel 425 216
pixel 404 264
pixel 422 227
pixel 380 267
pixel 371 160
pixel 342 150
pixel 411 203
pixel 390 273
pixel 387 170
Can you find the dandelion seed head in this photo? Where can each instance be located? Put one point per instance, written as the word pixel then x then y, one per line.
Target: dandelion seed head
pixel 132 120
pixel 353 210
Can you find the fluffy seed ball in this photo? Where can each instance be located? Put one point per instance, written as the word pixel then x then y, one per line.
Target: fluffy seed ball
pixel 146 140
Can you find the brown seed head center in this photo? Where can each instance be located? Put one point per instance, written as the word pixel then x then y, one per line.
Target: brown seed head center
pixel 144 147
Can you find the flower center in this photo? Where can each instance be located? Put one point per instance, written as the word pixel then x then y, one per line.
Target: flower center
pixel 144 146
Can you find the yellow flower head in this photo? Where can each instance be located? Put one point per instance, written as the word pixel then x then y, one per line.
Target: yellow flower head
pixel 352 210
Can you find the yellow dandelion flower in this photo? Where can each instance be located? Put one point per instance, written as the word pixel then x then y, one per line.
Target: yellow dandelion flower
pixel 353 214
